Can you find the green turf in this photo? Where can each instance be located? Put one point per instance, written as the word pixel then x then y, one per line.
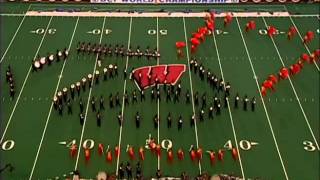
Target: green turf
pixel 282 124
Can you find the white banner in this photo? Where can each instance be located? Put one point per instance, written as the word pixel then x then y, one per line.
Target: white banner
pixel 164 1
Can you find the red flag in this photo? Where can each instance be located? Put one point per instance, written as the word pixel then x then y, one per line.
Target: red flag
pixel 180 44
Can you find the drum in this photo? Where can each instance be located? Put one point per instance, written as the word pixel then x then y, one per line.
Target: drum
pixel 59 53
pixel 64 90
pixel 37 64
pixel 83 80
pixel 42 60
pixel 90 76
pixel 51 57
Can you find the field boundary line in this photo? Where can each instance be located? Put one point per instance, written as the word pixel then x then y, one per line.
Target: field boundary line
pixel 50 110
pixel 230 114
pixel 264 106
pixel 88 101
pixel 191 89
pixel 294 90
pixel 15 34
pixel 124 91
pixel 24 83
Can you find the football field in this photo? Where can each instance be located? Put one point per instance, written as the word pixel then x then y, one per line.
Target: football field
pixel 278 140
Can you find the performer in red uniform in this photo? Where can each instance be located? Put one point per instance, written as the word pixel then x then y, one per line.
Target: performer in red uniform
pixel 295 69
pixel 170 155
pixel 284 73
pixel 251 25
pixel 100 149
pixel 235 154
pixel 109 156
pixel 87 154
pixel 141 153
pixel 271 31
pixel 158 150
pixel 273 78
pixel 73 150
pixel 292 32
pixel 117 151
pixel 131 152
pixel 308 37
pixel 220 155
pixel 263 91
pixel 199 153
pixel 212 156
pixel 227 19
pixel 180 154
pixel 268 85
pixel 305 57
pixel 193 154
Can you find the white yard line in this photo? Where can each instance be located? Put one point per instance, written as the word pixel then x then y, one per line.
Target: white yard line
pixel 158 103
pixel 230 114
pixel 314 62
pixel 24 83
pixel 191 89
pixel 124 90
pixel 15 34
pixel 264 106
pixel 294 90
pixel 88 101
pixel 50 110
